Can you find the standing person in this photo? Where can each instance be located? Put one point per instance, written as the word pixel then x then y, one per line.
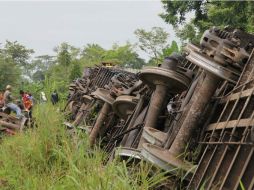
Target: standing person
pixel 8 102
pixel 43 98
pixel 54 97
pixel 27 103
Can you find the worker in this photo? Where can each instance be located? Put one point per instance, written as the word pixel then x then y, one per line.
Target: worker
pixel 8 102
pixel 43 98
pixel 27 102
pixel 54 97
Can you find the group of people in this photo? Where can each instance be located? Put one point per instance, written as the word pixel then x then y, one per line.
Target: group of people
pixel 8 101
pixel 27 101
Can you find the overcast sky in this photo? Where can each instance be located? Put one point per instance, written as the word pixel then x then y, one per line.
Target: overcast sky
pixel 44 25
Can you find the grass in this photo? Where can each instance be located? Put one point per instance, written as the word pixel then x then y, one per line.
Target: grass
pixel 46 157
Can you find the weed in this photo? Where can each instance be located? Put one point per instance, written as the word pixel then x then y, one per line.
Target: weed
pixel 46 157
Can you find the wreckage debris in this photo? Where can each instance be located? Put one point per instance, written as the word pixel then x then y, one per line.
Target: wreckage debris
pixel 10 124
pixel 193 113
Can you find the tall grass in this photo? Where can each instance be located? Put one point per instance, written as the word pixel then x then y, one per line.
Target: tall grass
pixel 46 157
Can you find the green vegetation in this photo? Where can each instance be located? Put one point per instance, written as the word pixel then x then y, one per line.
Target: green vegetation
pixel 155 44
pixel 9 72
pixel 236 14
pixel 46 157
pixel 19 68
pixel 152 42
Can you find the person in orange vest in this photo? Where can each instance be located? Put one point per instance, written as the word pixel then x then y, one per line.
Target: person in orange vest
pixel 27 102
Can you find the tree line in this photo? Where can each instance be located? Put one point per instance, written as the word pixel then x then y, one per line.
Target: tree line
pixel 19 66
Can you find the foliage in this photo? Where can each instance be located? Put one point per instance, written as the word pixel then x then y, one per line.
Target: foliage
pixel 152 42
pixel 9 73
pixel 124 56
pixel 188 33
pixel 58 78
pixel 63 54
pixel 43 62
pixel 48 158
pixel 236 14
pixel 59 70
pixel 167 51
pixel 14 64
pixel 75 71
pixel 121 55
pixel 19 55
pixel 70 61
pixel 171 49
pixel 92 53
pixel 18 69
pixel 17 52
pixel 40 65
pixel 38 76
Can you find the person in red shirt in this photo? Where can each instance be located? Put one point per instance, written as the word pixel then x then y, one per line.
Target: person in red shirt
pixel 27 103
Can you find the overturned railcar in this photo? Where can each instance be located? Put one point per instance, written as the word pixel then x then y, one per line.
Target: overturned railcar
pixel 227 158
pixel 194 113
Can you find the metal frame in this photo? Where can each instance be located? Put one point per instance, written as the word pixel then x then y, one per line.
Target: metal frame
pixel 228 157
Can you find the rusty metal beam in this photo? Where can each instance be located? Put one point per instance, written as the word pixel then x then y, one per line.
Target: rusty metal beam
pixel 99 122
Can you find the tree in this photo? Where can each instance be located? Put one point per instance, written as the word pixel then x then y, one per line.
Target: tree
pixel 43 62
pixel 40 65
pixel 92 54
pixel 63 54
pixel 189 33
pixel 75 71
pixel 152 42
pixel 167 51
pixel 9 72
pixel 170 49
pixel 124 56
pixel 121 55
pixel 64 68
pixel 237 14
pixel 38 76
pixel 19 54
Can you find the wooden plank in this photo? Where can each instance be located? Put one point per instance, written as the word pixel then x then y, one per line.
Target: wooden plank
pixel 9 125
pixel 8 116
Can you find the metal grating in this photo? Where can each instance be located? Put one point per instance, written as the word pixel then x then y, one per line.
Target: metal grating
pixel 104 75
pixel 227 160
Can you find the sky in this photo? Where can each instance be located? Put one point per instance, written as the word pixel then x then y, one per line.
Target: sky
pixel 42 25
